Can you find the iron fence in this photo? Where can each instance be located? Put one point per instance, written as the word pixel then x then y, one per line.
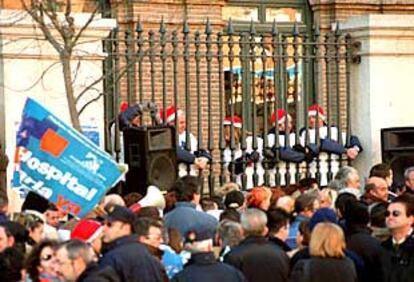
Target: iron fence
pixel 219 73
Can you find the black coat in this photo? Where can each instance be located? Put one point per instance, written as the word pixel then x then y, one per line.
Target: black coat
pixel 368 248
pixel 132 261
pixel 399 262
pixel 93 273
pixel 259 260
pixel 203 267
pixel 324 269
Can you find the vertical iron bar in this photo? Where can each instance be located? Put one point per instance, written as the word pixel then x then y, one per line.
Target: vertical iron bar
pixel 265 108
pixel 175 55
pixel 252 54
pixel 128 63
pixel 316 89
pixel 348 89
pixel 117 144
pixel 163 57
pixel 186 53
pixel 328 100
pixel 140 42
pixel 285 57
pixel 296 75
pixel 338 91
pixel 152 66
pixel 306 93
pixel 222 145
pixel 277 60
pixel 244 61
pixel 108 92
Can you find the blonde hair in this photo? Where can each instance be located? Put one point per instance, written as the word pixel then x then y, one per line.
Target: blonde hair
pixel 327 241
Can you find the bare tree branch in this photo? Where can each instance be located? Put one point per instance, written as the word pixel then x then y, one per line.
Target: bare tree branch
pixel 90 102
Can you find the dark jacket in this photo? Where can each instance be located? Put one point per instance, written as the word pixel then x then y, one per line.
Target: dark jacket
pixel 203 267
pixel 131 261
pixel 399 261
pixel 259 260
pixel 368 248
pixel 94 273
pixel 324 269
pixel 185 216
pixel 280 243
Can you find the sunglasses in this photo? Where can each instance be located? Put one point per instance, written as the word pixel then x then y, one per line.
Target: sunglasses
pixel 393 213
pixel 46 257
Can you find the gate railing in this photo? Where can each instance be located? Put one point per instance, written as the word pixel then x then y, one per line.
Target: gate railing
pixel 218 73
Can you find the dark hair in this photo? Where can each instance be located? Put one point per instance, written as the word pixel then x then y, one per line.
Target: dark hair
pixel 380 170
pixel 207 204
pixel 52 207
pixel 377 215
pixel 11 265
pixel 32 261
pixel 276 219
pixel 304 202
pixel 408 201
pixel 132 198
pixel 304 230
pixel 185 188
pixel 307 183
pixel 231 215
pixel 143 224
pixel 342 201
pixel 151 212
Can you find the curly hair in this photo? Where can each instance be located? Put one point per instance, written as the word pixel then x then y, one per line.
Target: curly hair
pixel 33 259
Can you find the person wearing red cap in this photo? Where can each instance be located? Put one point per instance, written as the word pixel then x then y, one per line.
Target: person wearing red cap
pixel 90 231
pixel 328 138
pixel 253 157
pixel 188 152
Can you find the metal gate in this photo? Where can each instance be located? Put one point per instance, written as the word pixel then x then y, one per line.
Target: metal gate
pixel 217 73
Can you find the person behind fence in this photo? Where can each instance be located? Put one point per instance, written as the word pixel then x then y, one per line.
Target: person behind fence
pixel 285 145
pixel 328 261
pixel 259 259
pixel 399 262
pixel 188 152
pixel 238 161
pixel 203 265
pixel 328 141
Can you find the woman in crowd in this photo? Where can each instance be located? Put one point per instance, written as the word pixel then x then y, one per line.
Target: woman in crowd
pixel 328 261
pixel 41 263
pixel 259 198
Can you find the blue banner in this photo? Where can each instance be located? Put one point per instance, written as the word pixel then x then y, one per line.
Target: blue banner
pixel 59 163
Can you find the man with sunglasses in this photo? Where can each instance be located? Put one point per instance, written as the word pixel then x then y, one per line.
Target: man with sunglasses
pixel 399 260
pixel 129 258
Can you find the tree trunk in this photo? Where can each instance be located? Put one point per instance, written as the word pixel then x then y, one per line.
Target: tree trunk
pixel 67 76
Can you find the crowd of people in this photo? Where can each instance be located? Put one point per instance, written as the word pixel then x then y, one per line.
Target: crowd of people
pixel 343 232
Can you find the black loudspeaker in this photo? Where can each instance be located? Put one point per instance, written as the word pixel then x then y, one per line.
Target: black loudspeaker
pixel 397 146
pixel 150 153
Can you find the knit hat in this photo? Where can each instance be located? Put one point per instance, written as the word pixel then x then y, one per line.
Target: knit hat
pixel 123 107
pixel 86 230
pixel 198 232
pixel 316 109
pixel 237 121
pixel 322 215
pixel 281 116
pixel 234 200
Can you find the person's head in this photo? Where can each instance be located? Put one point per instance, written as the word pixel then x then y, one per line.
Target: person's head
pixel 400 214
pixel 303 236
pixel 384 171
pixel 90 231
pixel 322 215
pixel 181 121
pixel 11 265
pixel 253 222
pixel 342 201
pixel 409 178
pixel 279 119
pixel 316 116
pixel 34 224
pixel 207 204
pixel 306 204
pixel 234 200
pixel 348 177
pixel 4 204
pixel 111 200
pixel 327 241
pixel 130 117
pixel 199 238
pixel 377 215
pixel 72 259
pixel 230 215
pixel 229 233
pixel 356 214
pixel 287 203
pixel 377 188
pixel 42 260
pixel 52 215
pixel 6 238
pixel 327 198
pixel 187 189
pixel 227 188
pixel 228 123
pixel 259 197
pixel 149 231
pixel 308 183
pixel 278 223
pixel 132 198
pixel 118 223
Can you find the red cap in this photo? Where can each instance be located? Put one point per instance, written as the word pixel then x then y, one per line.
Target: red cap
pixel 281 116
pixel 123 107
pixel 316 109
pixel 86 230
pixel 237 121
pixel 170 113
